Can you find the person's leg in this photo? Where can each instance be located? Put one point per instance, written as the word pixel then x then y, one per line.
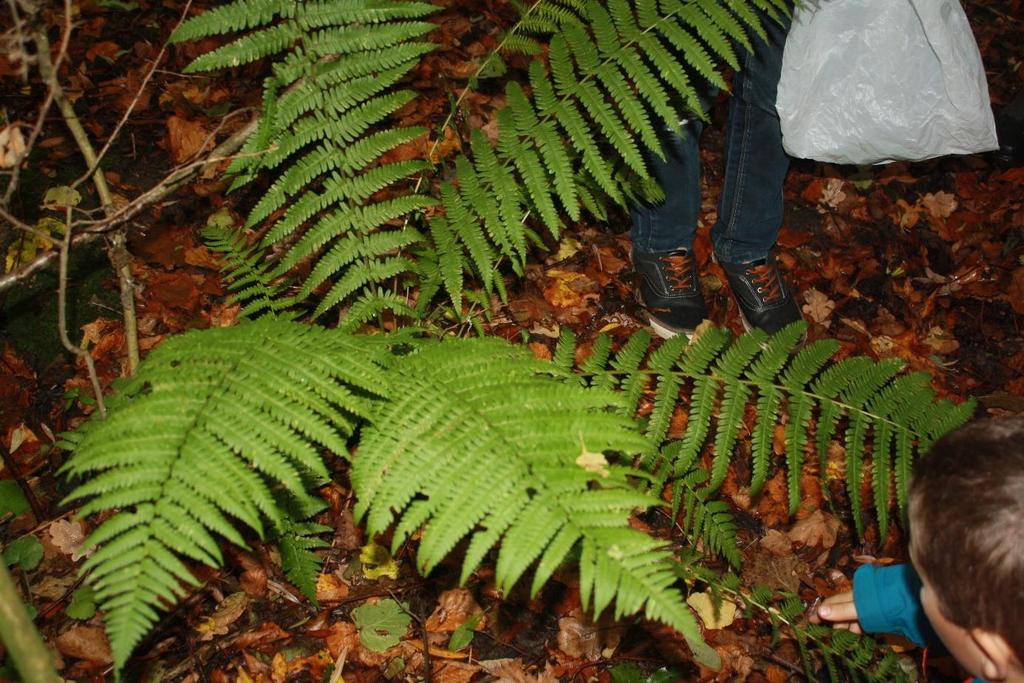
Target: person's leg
pixel 750 208
pixel 662 236
pixel 671 224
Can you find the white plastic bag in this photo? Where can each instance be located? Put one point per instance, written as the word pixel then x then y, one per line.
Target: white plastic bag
pixel 873 81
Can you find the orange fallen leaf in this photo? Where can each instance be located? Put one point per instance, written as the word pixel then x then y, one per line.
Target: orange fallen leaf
pixel 330 588
pixel 453 608
pixel 85 642
pixel 939 205
pixel 818 529
pixel 184 138
pixel 1015 292
pixel 105 48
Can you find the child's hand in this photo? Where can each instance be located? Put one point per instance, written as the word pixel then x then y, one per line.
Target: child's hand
pixel 839 610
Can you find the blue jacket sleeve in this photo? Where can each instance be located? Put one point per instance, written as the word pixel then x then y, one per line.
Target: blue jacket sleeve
pixel 888 601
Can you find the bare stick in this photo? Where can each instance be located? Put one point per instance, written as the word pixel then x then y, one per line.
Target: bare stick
pixel 67 110
pixel 118 252
pixel 62 322
pixel 31 229
pixel 122 262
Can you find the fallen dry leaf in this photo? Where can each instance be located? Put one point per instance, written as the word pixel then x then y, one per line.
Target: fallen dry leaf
pixel 703 604
pixel 254 575
pixel 85 642
pixel 54 587
pixel 941 341
pixel 512 671
pixel 567 248
pixel 184 138
pixel 1015 292
pixel 939 205
pixel 776 542
pixel 776 572
pixel 735 661
pixel 12 146
pixel 578 639
pixel 817 529
pixel 447 671
pixel 453 608
pixel 832 194
pixel 268 632
pixel 67 536
pixel 593 462
pixel 818 307
pixel 568 289
pixel 227 613
pixel 331 588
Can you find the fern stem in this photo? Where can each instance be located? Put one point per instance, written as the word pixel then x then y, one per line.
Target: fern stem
pixel 753 383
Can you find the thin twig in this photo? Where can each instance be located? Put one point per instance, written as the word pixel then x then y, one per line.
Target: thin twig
pixel 223 152
pixel 135 100
pixel 62 322
pixel 44 111
pixel 31 229
pixel 71 120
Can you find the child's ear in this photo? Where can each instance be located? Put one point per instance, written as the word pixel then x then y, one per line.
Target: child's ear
pixel 999 657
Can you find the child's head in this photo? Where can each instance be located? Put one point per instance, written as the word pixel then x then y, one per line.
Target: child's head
pixel 967 543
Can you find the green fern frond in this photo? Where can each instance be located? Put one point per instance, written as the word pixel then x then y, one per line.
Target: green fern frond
pixel 325 126
pixel 370 305
pixel 450 458
pixel 213 423
pixel 250 278
pixel 298 539
pixel 236 16
pixel 870 407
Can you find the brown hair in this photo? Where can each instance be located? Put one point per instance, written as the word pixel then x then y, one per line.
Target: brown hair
pixel 967 521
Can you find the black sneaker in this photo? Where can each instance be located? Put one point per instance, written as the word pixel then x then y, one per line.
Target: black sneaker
pixel 670 291
pixel 763 296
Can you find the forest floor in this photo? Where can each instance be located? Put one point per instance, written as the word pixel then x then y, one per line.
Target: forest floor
pixel 924 262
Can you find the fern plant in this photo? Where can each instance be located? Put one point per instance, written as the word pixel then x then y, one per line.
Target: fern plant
pixel 882 417
pixel 861 657
pixel 219 431
pixel 463 440
pixel 324 126
pixel 478 444
pixel 612 70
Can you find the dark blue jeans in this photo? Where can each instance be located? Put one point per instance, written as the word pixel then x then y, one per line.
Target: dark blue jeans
pixel 750 208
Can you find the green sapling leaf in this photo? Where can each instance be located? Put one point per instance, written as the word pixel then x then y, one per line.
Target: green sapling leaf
pixel 83 603
pixel 26 552
pixel 463 635
pixel 12 500
pixel 61 198
pixel 381 625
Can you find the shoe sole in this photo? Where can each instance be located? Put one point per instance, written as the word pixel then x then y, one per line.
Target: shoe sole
pixel 666 331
